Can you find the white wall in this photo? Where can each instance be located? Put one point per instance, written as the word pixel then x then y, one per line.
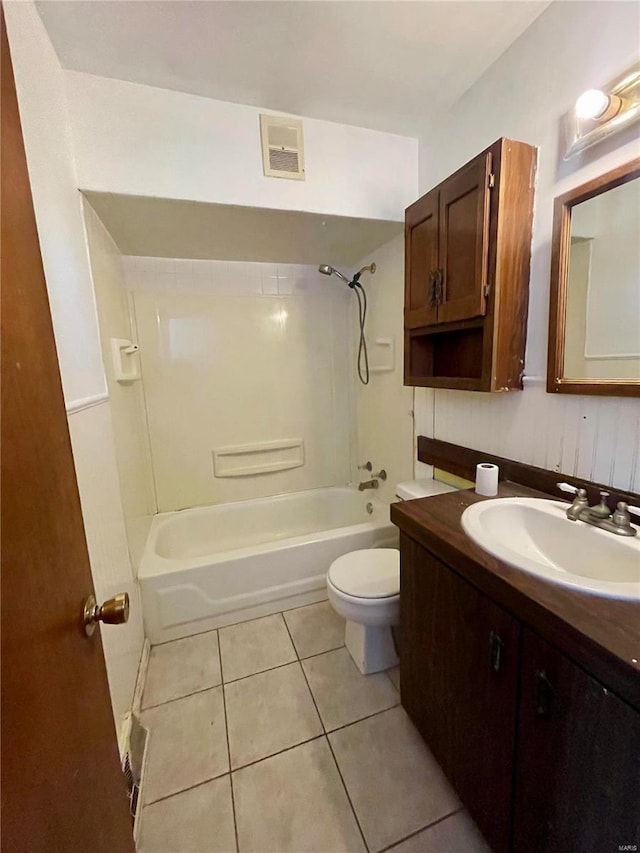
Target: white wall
pixel 57 206
pixel 147 141
pixel 133 452
pixel 384 406
pixel 571 47
pixel 241 354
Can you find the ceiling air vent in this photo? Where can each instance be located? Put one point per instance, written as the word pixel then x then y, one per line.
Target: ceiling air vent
pixel 282 147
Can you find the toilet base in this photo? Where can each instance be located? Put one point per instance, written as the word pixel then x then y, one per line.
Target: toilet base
pixel 371 647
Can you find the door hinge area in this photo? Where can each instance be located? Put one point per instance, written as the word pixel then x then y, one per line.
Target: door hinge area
pixel 492 180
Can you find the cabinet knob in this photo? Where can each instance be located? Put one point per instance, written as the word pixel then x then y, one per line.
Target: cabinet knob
pixel 496 648
pixel 545 694
pixel 433 297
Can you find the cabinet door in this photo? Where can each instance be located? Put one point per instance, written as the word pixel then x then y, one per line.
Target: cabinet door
pixel 421 261
pixel 464 242
pixel 578 760
pixel 458 683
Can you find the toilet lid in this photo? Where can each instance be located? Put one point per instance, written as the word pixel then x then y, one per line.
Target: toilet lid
pixel 372 573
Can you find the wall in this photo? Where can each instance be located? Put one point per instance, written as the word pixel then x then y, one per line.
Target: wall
pixel 45 128
pixel 143 140
pixel 384 406
pixel 237 354
pixel 133 452
pixel 569 48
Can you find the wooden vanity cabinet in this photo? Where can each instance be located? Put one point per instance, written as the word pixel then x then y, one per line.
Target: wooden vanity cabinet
pixel 467 254
pixel 544 758
pixel 458 677
pixel 577 784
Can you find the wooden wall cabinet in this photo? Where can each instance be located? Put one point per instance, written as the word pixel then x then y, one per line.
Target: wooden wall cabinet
pixel 544 758
pixel 467 256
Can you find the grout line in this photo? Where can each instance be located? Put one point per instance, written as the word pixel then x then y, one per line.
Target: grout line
pixel 346 790
pixel 226 732
pixel 422 829
pixel 313 698
pixel 178 698
pixel 183 790
pixel 362 719
pixel 279 752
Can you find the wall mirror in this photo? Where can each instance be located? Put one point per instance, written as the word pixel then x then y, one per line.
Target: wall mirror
pixel 594 318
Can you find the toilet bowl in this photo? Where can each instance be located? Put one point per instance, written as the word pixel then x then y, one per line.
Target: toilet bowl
pixel 364 587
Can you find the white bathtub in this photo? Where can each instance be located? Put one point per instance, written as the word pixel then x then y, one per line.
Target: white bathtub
pixel 213 566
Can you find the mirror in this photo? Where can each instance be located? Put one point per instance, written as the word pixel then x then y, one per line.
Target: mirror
pixel 594 326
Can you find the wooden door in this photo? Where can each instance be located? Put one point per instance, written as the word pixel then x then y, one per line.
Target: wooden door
pixel 421 261
pixel 62 787
pixel 458 682
pixel 464 241
pixel 578 760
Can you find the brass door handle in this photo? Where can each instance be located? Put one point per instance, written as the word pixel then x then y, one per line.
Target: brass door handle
pixel 114 611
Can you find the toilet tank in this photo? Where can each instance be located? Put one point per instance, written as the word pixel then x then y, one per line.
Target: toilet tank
pixel 411 489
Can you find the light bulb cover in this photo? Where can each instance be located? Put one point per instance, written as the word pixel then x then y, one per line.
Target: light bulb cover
pixel 592 104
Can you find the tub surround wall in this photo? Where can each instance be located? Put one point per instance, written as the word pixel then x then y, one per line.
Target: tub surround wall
pixel 384 406
pixel 133 452
pixel 236 357
pixel 142 140
pixel 57 205
pixel 569 48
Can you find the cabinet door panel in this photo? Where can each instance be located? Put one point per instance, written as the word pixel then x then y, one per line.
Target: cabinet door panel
pixel 464 241
pixel 460 696
pixel 578 760
pixel 421 261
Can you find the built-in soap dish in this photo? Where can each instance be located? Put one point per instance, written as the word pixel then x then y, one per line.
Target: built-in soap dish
pixel 126 360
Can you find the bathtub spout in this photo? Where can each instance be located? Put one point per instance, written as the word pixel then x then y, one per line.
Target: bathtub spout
pixel 368 484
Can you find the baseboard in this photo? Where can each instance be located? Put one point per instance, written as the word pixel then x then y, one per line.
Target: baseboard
pixel 136 704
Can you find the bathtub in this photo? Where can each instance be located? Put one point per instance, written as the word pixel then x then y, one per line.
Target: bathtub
pixel 213 566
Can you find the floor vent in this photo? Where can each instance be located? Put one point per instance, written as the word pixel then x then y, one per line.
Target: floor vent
pixel 282 147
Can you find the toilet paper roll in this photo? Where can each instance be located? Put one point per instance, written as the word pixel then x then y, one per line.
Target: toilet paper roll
pixel 487 479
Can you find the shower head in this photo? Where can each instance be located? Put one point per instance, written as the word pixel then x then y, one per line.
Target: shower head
pixel 325 269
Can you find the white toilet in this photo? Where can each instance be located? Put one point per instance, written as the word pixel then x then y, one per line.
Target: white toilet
pixel 364 587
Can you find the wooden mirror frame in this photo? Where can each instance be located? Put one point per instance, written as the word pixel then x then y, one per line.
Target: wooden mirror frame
pixel 558 299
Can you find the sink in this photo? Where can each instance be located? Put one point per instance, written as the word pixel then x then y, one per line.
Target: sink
pixel 535 535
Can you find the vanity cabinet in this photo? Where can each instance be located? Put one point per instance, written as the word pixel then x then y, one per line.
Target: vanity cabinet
pixel 577 785
pixel 467 254
pixel 458 678
pixel 544 758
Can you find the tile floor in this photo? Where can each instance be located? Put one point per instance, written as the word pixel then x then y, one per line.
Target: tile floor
pixel 265 738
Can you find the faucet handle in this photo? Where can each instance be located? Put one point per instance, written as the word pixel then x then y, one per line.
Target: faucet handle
pixel 366 467
pixel 380 475
pixel 634 510
pixel 570 489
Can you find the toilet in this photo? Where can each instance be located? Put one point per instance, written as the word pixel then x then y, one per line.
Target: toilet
pixel 364 587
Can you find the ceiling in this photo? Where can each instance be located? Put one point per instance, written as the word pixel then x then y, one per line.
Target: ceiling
pixel 384 65
pixel 167 228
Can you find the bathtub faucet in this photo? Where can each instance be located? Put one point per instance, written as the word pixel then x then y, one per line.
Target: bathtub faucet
pixel 368 484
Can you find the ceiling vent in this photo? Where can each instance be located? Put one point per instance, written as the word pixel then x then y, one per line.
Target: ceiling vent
pixel 282 147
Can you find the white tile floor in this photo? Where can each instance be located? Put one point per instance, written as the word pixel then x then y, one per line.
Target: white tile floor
pixel 265 738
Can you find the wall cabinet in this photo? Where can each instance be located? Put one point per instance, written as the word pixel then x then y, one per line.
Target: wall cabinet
pixel 467 254
pixel 544 758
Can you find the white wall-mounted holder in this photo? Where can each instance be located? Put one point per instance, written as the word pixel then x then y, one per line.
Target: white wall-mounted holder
pixel 384 355
pixel 126 360
pixel 598 113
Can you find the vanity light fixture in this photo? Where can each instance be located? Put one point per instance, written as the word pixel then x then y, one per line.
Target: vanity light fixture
pixel 598 113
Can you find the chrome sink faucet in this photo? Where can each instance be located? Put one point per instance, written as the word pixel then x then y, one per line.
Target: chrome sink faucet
pixel 600 515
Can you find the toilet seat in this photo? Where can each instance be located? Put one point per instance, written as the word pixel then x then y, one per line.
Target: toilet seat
pixel 372 573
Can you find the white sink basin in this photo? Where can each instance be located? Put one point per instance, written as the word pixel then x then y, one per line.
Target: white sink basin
pixel 536 536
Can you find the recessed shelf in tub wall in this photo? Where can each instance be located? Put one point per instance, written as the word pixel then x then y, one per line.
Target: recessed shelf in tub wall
pixel 263 457
pixel 383 356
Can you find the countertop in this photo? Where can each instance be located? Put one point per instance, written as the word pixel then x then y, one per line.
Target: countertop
pixel 600 634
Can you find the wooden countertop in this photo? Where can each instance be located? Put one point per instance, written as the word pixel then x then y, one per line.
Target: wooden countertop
pixel 600 634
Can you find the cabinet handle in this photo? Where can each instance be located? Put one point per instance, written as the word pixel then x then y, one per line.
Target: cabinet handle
pixel 433 298
pixel 439 286
pixel 496 647
pixel 545 694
